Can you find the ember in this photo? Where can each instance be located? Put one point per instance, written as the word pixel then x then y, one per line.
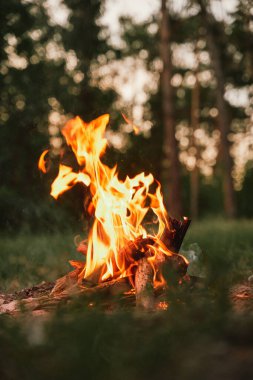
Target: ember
pixel 119 245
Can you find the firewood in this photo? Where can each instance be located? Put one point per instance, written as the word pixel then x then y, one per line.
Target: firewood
pixel 172 267
pixel 173 236
pixel 175 266
pixel 46 296
pixel 67 283
pixel 136 249
pixel 144 289
pixel 40 299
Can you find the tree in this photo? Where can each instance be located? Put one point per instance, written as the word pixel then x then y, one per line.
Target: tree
pixel 224 116
pixel 171 166
pixel 194 174
pixel 34 76
pixel 26 83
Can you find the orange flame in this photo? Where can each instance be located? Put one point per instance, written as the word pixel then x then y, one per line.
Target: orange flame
pixel 120 206
pixel 128 121
pixel 42 163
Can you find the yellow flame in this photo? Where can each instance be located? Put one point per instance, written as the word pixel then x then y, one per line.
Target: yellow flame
pixel 120 206
pixel 67 179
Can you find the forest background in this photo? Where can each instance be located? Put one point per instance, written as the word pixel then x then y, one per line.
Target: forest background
pixel 183 75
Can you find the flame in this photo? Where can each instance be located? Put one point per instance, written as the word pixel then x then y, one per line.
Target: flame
pixel 120 206
pixel 42 162
pixel 128 121
pixel 66 179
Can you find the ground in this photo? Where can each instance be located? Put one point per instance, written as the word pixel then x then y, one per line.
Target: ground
pixel 201 335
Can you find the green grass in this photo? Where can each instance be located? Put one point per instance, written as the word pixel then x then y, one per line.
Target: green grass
pixel 227 248
pixel 198 337
pixel 27 259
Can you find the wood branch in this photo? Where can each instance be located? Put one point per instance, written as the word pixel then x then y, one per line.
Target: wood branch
pixel 40 299
pixel 144 288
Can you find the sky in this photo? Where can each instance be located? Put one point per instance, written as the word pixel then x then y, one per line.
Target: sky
pixel 140 10
pixel 131 77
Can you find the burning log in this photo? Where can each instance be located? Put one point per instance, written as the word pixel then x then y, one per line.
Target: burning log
pixel 144 288
pixel 42 298
pixel 173 236
pixel 173 265
pixel 137 248
pixel 169 265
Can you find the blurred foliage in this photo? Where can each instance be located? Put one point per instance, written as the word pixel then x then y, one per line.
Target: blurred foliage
pixel 34 79
pixel 188 31
pixel 47 68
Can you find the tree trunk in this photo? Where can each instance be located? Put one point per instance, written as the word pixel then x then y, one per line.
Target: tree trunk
pixel 170 164
pixel 194 175
pixel 224 117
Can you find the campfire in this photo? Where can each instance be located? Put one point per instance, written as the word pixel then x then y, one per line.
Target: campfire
pixel 120 245
pixel 124 253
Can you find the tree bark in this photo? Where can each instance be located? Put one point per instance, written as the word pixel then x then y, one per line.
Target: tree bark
pixel 224 117
pixel 194 175
pixel 170 165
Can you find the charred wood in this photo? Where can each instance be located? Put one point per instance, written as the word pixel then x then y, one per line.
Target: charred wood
pixel 173 236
